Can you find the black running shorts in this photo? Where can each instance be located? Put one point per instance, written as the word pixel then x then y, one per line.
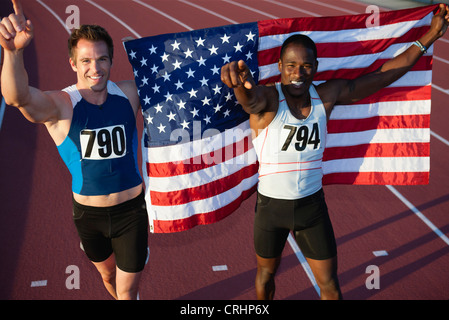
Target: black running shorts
pixel 308 218
pixel 121 229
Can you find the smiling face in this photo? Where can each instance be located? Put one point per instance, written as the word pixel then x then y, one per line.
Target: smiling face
pixel 92 64
pixel 298 65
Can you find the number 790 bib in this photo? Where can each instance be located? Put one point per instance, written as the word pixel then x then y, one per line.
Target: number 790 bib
pixel 103 143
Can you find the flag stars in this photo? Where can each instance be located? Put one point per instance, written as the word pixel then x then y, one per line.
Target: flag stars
pixel 188 53
pixel 201 61
pixel 193 92
pixel 149 119
pixel 190 73
pixel 181 104
pixel 207 119
pixel 165 57
pixel 155 88
pixel 225 38
pixel 238 47
pixel 179 85
pixel 215 70
pixel 204 81
pixel 144 81
pixel 152 49
pixel 158 108
pixel 132 54
pixel 166 76
pixel 146 100
pixel 185 124
pixel 168 96
pixel 154 69
pixel 143 62
pixel 177 65
pixel 217 108
pixel 250 36
pixel 213 50
pixel 161 128
pixel 194 112
pixel 171 116
pixel 226 59
pixel 206 101
pixel 175 45
pixel 217 89
pixel 200 42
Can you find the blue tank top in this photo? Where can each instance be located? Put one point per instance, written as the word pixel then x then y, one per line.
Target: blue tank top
pixel 100 150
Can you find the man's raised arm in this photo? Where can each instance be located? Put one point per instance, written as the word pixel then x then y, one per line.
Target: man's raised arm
pixel 16 34
pixel 349 91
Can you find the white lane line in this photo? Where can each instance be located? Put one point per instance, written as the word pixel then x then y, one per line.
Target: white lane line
pixel 251 9
pixel 446 91
pixel 446 142
pixel 222 267
pixel 163 14
pixel 419 214
pixel 327 5
pixel 380 253
pixel 303 262
pixel 54 14
pixel 39 283
pixel 209 11
pixel 115 18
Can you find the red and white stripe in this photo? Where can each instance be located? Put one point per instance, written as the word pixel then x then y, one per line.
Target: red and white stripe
pixel 201 181
pixel 383 139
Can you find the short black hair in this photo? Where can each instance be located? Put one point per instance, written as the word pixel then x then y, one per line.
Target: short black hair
pixel 302 40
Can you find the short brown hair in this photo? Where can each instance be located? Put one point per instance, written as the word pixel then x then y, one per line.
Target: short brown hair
pixel 92 33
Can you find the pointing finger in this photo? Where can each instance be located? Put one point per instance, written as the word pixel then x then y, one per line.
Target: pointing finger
pixel 17 7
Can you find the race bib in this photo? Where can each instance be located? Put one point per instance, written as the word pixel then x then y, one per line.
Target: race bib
pixel 103 143
pixel 300 138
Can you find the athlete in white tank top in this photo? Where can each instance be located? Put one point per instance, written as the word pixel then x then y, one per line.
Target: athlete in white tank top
pixel 290 151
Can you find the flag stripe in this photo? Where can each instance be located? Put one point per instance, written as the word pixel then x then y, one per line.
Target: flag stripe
pixel 206 160
pixel 402 149
pixel 343 23
pixel 377 164
pixel 379 122
pixel 176 225
pixel 343 49
pixel 209 205
pixel 204 190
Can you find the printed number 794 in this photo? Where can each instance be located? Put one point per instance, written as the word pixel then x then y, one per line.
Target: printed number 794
pixel 302 138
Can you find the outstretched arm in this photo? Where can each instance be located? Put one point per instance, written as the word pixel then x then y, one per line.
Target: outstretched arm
pixel 254 99
pixel 16 34
pixel 349 91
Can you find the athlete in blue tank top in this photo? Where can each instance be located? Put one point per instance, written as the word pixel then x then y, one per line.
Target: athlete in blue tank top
pixel 93 124
pixel 100 149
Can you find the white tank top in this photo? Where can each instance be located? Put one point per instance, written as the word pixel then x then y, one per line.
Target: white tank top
pixel 290 151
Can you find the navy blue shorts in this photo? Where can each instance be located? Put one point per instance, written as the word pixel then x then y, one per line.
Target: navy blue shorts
pixel 308 218
pixel 121 229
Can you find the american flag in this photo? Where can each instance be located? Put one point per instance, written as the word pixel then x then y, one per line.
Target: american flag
pixel 198 161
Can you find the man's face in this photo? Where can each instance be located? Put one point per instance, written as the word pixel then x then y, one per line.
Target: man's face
pixel 92 64
pixel 298 66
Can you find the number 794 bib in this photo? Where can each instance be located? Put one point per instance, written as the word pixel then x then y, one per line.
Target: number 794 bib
pixel 300 138
pixel 103 143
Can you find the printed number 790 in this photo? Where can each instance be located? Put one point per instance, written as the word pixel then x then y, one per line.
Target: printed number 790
pixel 302 137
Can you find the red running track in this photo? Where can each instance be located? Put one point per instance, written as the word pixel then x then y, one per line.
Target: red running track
pixel 38 241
